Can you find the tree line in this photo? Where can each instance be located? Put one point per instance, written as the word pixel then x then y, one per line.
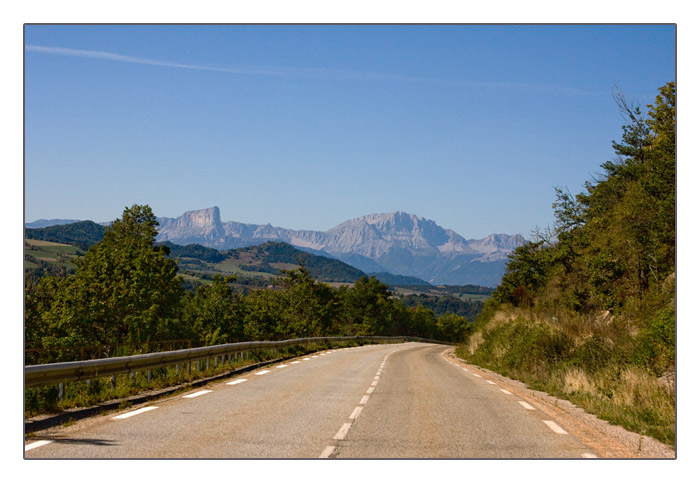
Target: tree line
pixel 127 292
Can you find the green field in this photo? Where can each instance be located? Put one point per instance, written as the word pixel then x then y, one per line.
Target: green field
pixel 36 251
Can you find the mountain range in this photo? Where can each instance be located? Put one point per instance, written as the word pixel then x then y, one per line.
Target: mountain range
pixel 398 243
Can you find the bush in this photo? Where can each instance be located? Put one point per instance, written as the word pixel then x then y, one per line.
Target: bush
pixel 656 344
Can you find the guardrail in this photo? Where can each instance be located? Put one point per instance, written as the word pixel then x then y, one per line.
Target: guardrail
pixel 45 374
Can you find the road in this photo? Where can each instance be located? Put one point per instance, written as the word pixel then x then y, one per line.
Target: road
pixel 379 401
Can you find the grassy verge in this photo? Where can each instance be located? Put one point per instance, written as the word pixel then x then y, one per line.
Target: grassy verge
pixel 590 362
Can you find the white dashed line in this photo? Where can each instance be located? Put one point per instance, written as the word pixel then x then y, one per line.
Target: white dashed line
pixel 370 390
pixel 374 383
pixel 476 375
pixel 295 362
pixel 491 382
pixel 196 394
pixel 356 412
pixel 343 431
pixel 134 413
pixel 364 399
pixel 327 452
pixel 282 366
pixel 306 359
pixel 261 373
pixel 36 444
pixel 588 455
pixel 526 405
pixel 505 391
pixel 555 427
pixel 237 381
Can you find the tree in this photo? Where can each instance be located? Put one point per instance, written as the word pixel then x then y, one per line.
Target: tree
pixel 213 314
pixel 616 241
pixel 367 307
pixel 452 327
pixel 124 290
pixel 310 307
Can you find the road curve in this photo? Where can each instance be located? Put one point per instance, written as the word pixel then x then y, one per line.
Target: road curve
pixel 379 401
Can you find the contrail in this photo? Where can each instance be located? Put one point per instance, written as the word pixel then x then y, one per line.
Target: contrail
pixel 96 54
pixel 314 73
pixel 249 70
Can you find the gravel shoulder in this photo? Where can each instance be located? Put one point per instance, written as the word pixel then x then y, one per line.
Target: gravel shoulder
pixel 609 441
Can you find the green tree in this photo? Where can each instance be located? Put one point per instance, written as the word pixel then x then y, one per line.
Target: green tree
pixel 311 305
pixel 214 314
pixel 124 290
pixel 264 315
pixel 367 307
pixel 451 327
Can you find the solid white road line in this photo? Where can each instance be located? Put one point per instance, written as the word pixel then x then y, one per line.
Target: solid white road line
pixel 526 405
pixel 237 381
pixel 327 452
pixel 555 427
pixel 36 444
pixel 134 413
pixel 343 431
pixel 197 393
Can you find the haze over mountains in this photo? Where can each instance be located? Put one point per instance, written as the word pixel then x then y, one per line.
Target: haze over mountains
pixel 397 243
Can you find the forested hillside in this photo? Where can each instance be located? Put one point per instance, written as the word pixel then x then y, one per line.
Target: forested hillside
pixel 81 234
pixel 587 310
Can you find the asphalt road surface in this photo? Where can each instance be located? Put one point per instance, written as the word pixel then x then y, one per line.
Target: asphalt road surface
pixel 380 401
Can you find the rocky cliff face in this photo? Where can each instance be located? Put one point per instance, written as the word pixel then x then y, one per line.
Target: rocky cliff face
pixel 398 243
pixel 198 226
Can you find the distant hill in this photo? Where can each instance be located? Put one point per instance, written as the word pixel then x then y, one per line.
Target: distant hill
pixel 391 280
pixel 44 223
pixel 81 234
pixel 269 258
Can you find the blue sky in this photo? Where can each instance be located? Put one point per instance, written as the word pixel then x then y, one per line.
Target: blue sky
pixel 307 126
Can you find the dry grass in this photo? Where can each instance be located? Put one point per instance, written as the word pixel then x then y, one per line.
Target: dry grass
pixel 593 372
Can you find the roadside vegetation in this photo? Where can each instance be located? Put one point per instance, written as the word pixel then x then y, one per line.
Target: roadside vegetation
pixel 587 311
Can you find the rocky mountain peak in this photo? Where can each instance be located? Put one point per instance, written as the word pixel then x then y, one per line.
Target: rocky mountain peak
pixel 205 223
pixel 395 242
